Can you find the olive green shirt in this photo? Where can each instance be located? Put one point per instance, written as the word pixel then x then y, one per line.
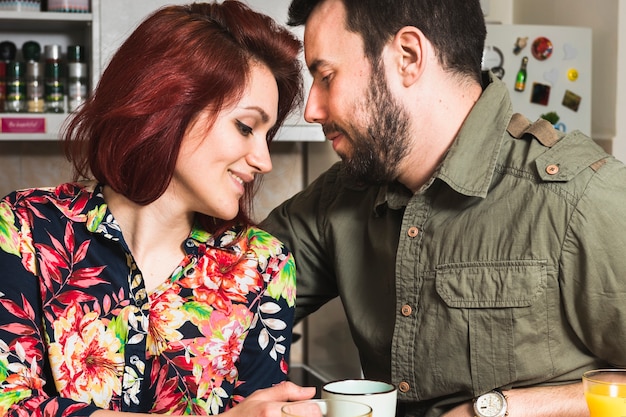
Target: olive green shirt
pixel 507 270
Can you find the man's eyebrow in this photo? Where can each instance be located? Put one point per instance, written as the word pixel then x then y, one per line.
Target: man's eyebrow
pixel 315 65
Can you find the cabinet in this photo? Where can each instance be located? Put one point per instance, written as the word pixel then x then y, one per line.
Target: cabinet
pixel 49 28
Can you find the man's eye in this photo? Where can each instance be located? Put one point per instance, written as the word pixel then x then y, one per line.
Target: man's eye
pixel 244 129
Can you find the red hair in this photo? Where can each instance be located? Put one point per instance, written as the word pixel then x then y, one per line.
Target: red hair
pixel 178 62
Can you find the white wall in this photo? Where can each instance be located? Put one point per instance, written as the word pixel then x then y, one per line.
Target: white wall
pixel 619 143
pixel 498 11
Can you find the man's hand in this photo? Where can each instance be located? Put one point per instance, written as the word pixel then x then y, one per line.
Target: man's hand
pixel 553 401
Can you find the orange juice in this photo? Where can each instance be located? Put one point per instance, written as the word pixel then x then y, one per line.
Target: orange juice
pixel 606 400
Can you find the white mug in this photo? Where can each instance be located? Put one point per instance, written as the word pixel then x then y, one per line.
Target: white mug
pixel 381 396
pixel 325 408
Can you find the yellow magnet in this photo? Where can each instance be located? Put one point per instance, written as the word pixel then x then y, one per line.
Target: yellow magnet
pixel 572 74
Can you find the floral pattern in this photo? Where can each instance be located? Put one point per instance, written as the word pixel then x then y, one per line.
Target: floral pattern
pixel 79 332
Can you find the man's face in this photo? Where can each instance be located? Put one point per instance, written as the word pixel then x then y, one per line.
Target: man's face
pixel 350 98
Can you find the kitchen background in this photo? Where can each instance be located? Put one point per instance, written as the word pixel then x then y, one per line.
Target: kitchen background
pixel 325 349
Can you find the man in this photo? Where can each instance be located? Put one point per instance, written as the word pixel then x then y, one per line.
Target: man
pixel 474 251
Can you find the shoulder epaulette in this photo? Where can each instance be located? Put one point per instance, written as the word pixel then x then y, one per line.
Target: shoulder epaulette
pixel 542 130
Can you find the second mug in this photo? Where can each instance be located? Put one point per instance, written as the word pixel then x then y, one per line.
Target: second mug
pixel 381 396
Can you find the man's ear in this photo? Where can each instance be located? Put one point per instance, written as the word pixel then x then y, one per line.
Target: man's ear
pixel 410 46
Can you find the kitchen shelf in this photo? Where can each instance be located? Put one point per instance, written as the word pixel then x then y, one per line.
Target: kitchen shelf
pixel 48 28
pixel 14 20
pixel 101 32
pixel 52 122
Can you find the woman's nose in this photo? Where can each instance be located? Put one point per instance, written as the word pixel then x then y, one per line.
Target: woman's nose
pixel 260 158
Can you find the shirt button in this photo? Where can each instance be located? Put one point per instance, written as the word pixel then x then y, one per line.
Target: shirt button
pixel 552 169
pixel 406 310
pixel 404 386
pixel 413 231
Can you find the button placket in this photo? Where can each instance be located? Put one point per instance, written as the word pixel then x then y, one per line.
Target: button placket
pixel 408 282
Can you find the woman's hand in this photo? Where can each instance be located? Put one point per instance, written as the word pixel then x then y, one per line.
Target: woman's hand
pixel 267 402
pixel 263 403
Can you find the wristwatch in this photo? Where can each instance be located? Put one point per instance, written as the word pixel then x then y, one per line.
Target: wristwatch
pixel 490 404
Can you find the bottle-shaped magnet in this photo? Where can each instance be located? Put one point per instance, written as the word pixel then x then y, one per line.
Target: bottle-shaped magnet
pixel 520 78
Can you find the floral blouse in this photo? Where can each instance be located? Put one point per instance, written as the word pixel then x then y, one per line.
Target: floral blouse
pixel 79 332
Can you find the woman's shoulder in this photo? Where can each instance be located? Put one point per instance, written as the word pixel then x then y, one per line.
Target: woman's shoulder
pixel 277 263
pixel 65 202
pixel 46 195
pixel 260 239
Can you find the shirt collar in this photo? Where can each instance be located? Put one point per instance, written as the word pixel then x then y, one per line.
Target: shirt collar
pixel 100 220
pixel 470 162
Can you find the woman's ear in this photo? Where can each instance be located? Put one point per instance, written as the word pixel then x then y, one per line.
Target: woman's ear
pixel 410 46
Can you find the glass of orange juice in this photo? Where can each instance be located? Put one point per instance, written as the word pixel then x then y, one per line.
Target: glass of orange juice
pixel 605 392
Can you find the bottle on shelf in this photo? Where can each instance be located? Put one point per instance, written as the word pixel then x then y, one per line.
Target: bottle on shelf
pixel 520 78
pixel 54 92
pixel 8 52
pixel 21 5
pixel 34 77
pixel 77 89
pixel 73 6
pixel 3 83
pixel 15 101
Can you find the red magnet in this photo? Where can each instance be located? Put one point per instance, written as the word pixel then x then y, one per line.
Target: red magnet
pixel 542 48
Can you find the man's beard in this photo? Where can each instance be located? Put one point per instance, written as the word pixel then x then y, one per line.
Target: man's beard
pixel 380 146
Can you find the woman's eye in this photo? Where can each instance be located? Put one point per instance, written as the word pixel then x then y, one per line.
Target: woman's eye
pixel 244 129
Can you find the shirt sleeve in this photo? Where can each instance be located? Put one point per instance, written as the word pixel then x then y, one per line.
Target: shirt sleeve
pixel 593 269
pixel 265 355
pixel 26 386
pixel 299 223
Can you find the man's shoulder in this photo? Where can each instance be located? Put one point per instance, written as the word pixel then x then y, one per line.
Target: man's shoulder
pixel 557 156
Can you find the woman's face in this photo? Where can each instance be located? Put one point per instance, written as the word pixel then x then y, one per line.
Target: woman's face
pixel 214 164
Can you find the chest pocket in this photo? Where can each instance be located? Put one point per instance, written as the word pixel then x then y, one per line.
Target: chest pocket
pixel 501 306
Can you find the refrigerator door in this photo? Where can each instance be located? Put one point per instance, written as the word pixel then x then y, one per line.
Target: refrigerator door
pixel 558 71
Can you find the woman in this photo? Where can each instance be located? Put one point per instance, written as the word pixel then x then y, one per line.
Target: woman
pixel 148 290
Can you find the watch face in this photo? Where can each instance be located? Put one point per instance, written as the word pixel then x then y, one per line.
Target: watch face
pixel 491 404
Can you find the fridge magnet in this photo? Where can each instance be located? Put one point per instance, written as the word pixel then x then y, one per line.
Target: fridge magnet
pixel 540 94
pixel 571 100
pixel 570 51
pixel 520 77
pixel 560 126
pixel 542 48
pixel 551 76
pixel 551 116
pixel 493 60
pixel 572 74
pixel 554 118
pixel 520 44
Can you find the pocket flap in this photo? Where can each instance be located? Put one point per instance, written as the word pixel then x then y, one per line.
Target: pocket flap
pixel 497 284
